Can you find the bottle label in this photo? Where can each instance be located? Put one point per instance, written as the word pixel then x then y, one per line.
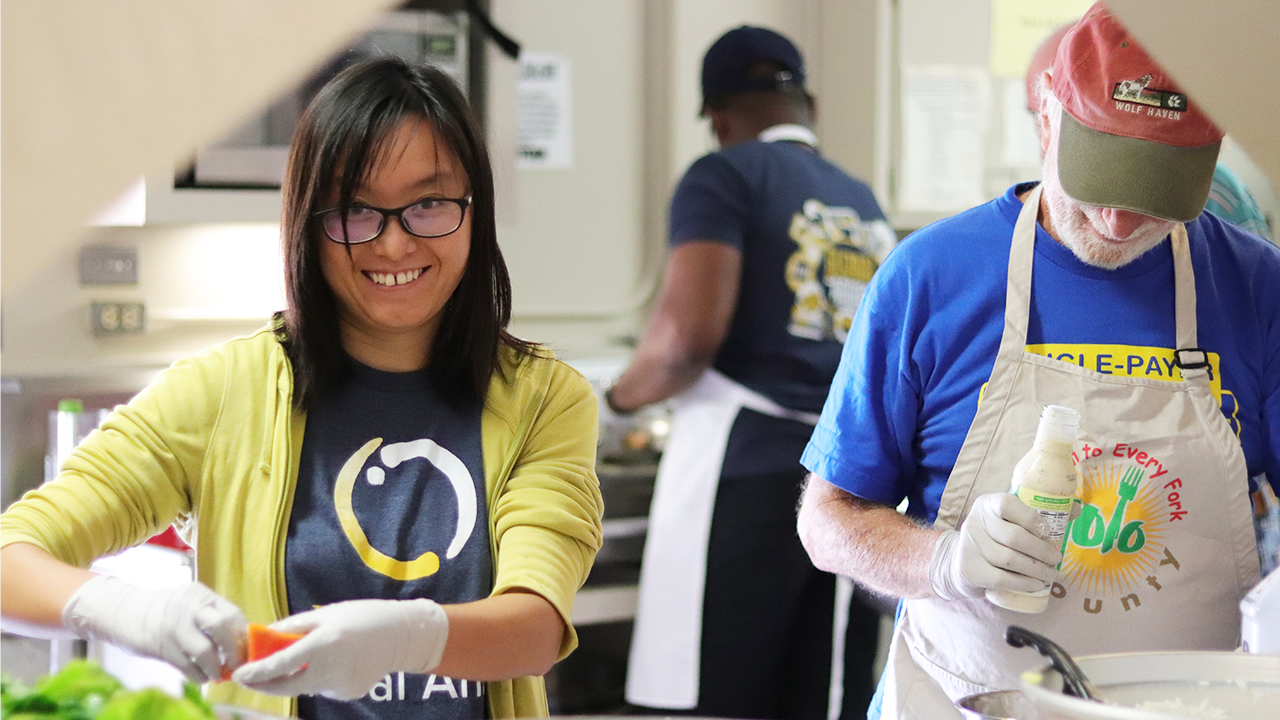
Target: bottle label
pixel 1055 509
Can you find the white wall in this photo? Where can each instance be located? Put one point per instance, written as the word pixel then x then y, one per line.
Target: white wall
pixel 201 284
pixel 585 245
pixel 97 94
pixel 575 239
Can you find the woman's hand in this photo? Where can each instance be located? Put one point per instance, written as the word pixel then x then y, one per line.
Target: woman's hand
pixel 190 626
pixel 349 647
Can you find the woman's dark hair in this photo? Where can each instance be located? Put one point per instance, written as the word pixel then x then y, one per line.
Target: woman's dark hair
pixel 338 141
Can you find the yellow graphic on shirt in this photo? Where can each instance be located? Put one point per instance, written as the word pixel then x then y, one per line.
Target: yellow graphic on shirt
pixel 393 455
pixel 837 255
pixel 1118 538
pixel 1153 363
pixel 1137 361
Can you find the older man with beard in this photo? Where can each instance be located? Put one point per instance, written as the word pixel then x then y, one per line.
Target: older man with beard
pixel 1104 289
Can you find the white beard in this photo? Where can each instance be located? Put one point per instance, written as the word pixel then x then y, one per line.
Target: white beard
pixel 1082 228
pixel 1083 231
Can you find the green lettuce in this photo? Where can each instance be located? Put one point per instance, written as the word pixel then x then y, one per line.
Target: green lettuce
pixel 82 690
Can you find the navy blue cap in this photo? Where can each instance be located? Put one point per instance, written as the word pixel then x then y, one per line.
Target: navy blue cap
pixel 727 63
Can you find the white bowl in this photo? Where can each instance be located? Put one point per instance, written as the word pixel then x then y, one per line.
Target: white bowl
pixel 1162 685
pixel 231 712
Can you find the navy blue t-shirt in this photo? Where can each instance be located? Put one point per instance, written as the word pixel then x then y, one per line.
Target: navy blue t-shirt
pixel 811 237
pixel 390 504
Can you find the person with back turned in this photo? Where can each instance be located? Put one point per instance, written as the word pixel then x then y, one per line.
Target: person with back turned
pixel 771 245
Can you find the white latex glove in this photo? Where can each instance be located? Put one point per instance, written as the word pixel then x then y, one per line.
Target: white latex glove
pixel 349 647
pixel 189 626
pixel 1001 544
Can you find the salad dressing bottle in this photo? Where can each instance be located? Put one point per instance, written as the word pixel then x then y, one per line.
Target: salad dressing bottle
pixel 1045 479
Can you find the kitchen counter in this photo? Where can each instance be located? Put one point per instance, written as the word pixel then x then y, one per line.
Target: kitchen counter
pixel 610 591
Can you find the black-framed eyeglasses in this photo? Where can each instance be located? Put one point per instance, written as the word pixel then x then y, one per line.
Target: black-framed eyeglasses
pixel 426 218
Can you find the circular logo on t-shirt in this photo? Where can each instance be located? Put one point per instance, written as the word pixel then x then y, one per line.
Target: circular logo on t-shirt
pixel 391 457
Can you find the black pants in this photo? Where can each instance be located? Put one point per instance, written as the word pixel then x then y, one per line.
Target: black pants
pixel 768 613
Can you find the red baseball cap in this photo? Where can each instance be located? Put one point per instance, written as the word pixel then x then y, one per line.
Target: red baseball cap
pixel 1130 138
pixel 1041 61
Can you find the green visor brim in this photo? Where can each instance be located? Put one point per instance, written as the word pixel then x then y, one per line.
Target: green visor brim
pixel 1164 181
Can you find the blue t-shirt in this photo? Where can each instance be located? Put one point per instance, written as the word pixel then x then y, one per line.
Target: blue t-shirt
pixel 810 237
pixel 925 340
pixel 420 492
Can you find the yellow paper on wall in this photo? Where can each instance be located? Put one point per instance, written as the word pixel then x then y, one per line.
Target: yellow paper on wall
pixel 1019 26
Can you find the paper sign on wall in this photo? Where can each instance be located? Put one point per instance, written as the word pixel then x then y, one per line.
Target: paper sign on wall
pixel 544 112
pixel 1019 26
pixel 944 119
pixel 1020 145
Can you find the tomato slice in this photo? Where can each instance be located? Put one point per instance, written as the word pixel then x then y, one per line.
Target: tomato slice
pixel 264 641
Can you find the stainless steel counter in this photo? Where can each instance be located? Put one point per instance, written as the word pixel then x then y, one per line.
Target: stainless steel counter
pixel 591 680
pixel 610 591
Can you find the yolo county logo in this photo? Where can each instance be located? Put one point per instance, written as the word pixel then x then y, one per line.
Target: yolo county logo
pixel 1118 538
pixel 1092 530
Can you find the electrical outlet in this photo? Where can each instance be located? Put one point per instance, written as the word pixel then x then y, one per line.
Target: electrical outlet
pixel 108 265
pixel 117 318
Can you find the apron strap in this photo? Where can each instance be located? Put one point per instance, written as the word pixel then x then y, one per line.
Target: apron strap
pixel 716 385
pixel 1184 284
pixel 997 394
pixel 1017 302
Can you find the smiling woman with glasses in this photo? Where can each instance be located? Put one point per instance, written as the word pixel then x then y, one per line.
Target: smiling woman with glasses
pixel 383 469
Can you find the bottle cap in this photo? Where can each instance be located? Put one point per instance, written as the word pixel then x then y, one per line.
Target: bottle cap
pixel 1058 422
pixel 74 405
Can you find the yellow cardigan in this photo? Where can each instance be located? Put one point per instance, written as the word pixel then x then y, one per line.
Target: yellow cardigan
pixel 212 446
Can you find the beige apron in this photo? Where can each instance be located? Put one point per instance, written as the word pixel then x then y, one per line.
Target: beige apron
pixel 1164 549
pixel 666 645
